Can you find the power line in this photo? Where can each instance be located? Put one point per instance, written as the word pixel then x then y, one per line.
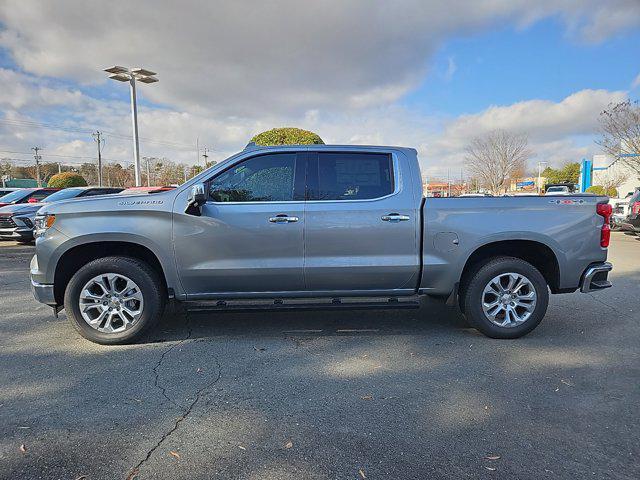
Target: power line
pixel 63 156
pixel 51 126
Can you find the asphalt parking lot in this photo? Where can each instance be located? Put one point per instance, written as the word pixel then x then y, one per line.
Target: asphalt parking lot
pixel 409 394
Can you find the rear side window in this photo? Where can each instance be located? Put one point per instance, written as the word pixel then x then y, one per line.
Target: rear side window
pixel 353 176
pixel 40 194
pixel 266 178
pixel 99 191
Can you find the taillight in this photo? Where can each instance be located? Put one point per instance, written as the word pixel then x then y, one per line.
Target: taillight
pixel 635 207
pixel 604 210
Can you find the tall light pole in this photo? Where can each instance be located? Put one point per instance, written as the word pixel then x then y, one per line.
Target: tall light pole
pixel 131 75
pixel 540 174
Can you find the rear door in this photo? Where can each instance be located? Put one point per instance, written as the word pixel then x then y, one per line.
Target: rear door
pixel 360 223
pixel 249 238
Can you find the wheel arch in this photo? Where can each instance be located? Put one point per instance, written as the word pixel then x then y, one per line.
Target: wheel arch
pixel 78 256
pixel 537 253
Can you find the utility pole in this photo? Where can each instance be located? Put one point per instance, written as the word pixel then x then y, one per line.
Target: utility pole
pixel 205 156
pixel 96 137
pixel 148 171
pixel 37 158
pixel 59 167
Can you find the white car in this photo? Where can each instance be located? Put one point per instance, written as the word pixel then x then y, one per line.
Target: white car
pixel 558 190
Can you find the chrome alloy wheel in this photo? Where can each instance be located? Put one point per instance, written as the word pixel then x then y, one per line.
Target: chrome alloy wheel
pixel 111 303
pixel 509 299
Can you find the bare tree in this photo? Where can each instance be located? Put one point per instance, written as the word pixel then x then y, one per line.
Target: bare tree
pixel 620 129
pixel 495 157
pixel 612 180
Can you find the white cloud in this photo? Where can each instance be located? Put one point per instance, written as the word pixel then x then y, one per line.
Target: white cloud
pixel 558 131
pixel 286 57
pixel 231 69
pixel 636 82
pixel 541 120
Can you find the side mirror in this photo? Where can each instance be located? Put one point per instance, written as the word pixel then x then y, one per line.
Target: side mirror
pixel 196 199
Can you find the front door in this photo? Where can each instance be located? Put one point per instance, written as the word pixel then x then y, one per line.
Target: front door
pixel 360 224
pixel 249 238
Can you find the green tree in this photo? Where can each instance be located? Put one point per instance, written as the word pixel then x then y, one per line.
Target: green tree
pixel 568 173
pixel 287 136
pixel 600 190
pixel 66 180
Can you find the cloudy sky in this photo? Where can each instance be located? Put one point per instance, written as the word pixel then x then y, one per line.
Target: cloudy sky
pixel 422 73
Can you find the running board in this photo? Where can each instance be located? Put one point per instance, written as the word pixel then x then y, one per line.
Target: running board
pixel 297 304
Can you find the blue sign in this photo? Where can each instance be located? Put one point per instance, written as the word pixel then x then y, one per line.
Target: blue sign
pixel 530 183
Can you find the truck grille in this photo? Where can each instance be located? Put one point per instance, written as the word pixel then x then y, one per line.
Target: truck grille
pixel 7 222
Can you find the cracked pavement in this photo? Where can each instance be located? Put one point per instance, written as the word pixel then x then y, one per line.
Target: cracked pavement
pixel 409 394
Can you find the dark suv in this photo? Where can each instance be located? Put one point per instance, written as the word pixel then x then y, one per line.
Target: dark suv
pixel 16 220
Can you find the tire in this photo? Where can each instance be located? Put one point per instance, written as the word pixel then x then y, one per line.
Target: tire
pixel 147 300
pixel 525 311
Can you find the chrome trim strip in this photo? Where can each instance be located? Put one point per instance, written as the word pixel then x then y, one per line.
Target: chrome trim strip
pixel 585 284
pixel 43 293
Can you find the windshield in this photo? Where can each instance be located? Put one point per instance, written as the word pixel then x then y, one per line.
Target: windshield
pixel 14 196
pixel 63 194
pixel 558 189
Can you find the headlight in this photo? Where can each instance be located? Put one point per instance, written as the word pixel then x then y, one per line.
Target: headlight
pixel 42 223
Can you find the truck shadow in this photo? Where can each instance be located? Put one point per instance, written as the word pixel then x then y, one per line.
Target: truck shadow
pixel 431 317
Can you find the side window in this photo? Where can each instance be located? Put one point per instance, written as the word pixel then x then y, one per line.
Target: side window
pixel 41 194
pixel 95 191
pixel 266 178
pixel 353 176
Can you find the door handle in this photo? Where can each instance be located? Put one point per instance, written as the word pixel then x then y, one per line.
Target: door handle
pixel 283 218
pixel 395 217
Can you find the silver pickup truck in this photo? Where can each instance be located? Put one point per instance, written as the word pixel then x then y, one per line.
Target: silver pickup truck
pixel 343 224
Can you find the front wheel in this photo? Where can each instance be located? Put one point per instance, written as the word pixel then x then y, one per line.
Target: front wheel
pixel 506 298
pixel 114 300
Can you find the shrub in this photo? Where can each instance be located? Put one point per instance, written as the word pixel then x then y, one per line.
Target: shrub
pixel 66 180
pixel 287 136
pixel 600 190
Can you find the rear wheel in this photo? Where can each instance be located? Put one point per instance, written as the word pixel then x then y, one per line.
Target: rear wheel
pixel 505 298
pixel 114 300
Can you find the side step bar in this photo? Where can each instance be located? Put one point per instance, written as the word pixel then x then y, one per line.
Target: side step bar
pixel 298 304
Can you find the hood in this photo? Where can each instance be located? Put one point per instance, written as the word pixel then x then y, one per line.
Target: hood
pixel 20 208
pixel 112 203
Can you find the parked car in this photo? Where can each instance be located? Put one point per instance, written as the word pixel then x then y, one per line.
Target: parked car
pixel 632 222
pixel 558 190
pixel 26 195
pixel 620 212
pixel 16 221
pixel 6 190
pixel 324 221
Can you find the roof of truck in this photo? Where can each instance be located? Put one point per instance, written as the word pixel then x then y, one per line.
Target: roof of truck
pixel 253 146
